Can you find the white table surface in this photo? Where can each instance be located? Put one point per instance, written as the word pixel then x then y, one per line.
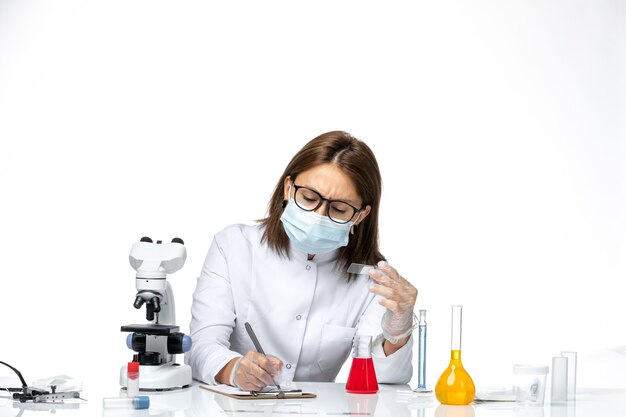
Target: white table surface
pixel 332 400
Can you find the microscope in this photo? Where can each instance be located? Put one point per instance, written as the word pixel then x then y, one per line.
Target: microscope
pixel 157 343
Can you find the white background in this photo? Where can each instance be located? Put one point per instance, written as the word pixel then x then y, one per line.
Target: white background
pixel 499 127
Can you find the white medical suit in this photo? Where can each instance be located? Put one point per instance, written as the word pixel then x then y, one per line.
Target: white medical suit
pixel 304 312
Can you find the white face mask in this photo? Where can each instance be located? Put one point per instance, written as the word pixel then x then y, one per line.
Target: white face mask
pixel 312 233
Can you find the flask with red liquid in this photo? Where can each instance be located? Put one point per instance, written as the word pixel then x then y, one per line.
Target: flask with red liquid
pixel 362 377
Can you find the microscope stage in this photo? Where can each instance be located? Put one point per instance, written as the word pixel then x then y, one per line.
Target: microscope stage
pixel 155 329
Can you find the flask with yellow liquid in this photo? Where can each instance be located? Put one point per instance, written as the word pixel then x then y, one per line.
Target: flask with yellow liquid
pixel 455 385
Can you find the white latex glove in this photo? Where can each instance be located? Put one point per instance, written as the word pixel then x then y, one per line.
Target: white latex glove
pixel 399 299
pixel 254 371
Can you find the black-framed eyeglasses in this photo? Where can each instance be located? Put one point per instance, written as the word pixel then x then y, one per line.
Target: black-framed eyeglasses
pixel 336 210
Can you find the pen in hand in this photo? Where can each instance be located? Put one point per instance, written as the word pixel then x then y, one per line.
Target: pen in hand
pixel 258 347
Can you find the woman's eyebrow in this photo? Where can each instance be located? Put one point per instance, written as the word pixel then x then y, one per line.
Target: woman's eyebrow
pixel 346 200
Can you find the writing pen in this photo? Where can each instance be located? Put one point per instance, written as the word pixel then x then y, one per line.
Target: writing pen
pixel 258 347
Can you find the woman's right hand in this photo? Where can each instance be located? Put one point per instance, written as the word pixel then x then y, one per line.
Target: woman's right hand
pixel 256 371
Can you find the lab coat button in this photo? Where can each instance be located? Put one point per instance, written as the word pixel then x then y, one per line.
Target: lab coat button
pixel 298 317
pixel 308 267
pixel 288 366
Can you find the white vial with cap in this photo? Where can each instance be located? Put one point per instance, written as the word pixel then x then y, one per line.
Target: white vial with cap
pixel 559 379
pixel 135 403
pixel 132 379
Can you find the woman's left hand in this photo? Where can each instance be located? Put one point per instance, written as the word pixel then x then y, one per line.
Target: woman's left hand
pixel 399 299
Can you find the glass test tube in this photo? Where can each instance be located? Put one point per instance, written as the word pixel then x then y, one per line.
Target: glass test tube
pixel 559 379
pixel 571 374
pixel 421 370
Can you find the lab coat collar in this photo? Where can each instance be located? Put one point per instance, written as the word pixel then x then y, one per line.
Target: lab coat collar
pixel 300 256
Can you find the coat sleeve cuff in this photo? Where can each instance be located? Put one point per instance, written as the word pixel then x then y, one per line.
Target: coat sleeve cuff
pixel 396 368
pixel 220 363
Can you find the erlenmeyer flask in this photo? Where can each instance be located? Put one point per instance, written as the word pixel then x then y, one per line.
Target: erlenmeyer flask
pixel 455 385
pixel 362 378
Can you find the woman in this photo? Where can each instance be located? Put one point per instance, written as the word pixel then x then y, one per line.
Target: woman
pixel 287 276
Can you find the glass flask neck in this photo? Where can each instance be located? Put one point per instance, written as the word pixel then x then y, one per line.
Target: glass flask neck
pixel 362 347
pixel 457 319
pixel 422 318
pixel 455 355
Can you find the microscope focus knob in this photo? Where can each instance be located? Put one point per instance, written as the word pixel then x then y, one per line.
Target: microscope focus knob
pixel 178 343
pixel 149 358
pixel 186 343
pixel 146 239
pixel 178 240
pixel 136 342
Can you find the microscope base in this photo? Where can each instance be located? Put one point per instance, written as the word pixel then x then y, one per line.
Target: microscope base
pixel 160 377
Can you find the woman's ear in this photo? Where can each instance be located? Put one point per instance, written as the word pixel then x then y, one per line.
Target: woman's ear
pixel 286 188
pixel 363 214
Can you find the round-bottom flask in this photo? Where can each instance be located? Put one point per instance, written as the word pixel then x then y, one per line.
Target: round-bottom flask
pixel 455 385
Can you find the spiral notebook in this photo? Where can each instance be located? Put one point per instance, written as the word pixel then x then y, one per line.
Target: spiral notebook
pixel 266 394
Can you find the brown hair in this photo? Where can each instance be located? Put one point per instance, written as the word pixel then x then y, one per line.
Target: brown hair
pixel 355 159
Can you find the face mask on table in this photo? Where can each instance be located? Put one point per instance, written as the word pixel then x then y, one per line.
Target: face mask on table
pixel 312 233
